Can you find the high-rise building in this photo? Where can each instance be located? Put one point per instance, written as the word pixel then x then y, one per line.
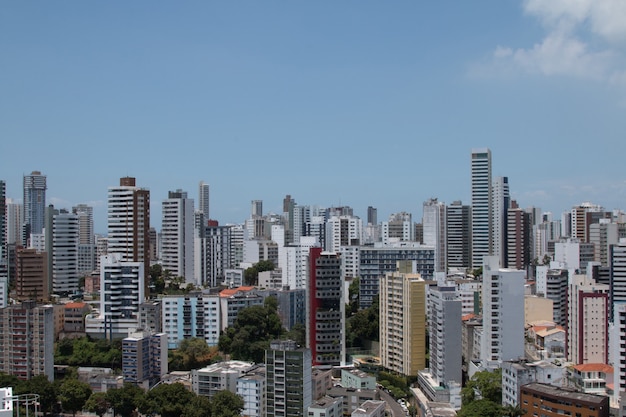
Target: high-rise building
pixel 518 237
pixel 434 229
pixel 503 314
pixel 603 235
pixel 372 215
pixel 191 315
pixel 144 358
pixel 618 349
pixel 345 230
pixel 500 202
pixel 27 340
pixel 552 283
pixel 288 379
pixel 403 321
pixel 617 256
pixel 31 275
pixel 177 235
pixel 256 208
pixel 129 223
pixel 87 253
pixel 213 255
pixel 481 205
pixel 3 214
pixel 63 253
pixel 458 236
pixel 325 330
pixel 121 293
pixel 583 216
pixel 445 336
pixel 85 223
pixel 376 261
pixel 203 200
pixel 14 222
pixel 398 227
pixel 34 202
pixel 588 320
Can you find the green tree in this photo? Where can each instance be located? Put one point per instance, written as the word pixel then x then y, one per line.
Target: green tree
pixel 251 275
pixel 199 406
pixel 484 384
pixel 353 297
pixel 363 326
pixel 481 408
pixel 166 400
pixel 226 404
pixel 297 334
pixel 7 380
pixel 97 403
pixel 252 332
pixel 41 386
pixel 195 351
pixel 73 395
pixel 125 400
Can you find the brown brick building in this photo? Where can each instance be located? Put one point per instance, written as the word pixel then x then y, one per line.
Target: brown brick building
pixel 546 400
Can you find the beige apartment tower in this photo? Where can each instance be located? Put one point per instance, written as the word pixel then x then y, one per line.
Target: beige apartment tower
pixel 403 321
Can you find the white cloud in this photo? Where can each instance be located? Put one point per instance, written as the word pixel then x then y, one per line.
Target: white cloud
pixel 584 39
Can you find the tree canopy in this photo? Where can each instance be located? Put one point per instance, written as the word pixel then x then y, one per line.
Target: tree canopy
pixel 363 326
pixel 166 400
pixel 84 351
pixel 97 403
pixel 192 353
pixel 484 384
pixel 251 275
pixel 252 332
pixel 73 395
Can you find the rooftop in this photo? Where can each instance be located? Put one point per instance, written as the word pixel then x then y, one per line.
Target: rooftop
pixel 594 367
pixel 560 392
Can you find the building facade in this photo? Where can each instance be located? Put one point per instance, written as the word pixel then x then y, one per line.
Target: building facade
pixel 325 330
pixel 27 340
pixel 129 223
pixel 288 377
pixel 177 235
pixel 34 203
pixel 403 322
pixel 503 314
pixel 481 205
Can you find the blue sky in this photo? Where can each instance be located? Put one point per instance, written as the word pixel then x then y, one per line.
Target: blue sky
pixel 355 102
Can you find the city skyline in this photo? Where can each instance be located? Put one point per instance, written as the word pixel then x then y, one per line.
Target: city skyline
pixel 317 101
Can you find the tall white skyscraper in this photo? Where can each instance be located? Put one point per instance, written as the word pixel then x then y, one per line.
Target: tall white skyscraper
pixel 399 227
pixel 203 199
pixel 15 211
pixel 617 259
pixel 445 335
pixel 343 231
pixel 434 229
pixel 256 208
pixel 121 292
pixel 129 222
pixel 503 314
pixel 86 238
pixel 481 205
pixel 500 203
pixel 85 223
pixel 177 235
pixel 34 201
